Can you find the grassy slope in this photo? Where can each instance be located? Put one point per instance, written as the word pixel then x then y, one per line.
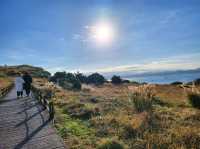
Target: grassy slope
pixel 13 70
pixel 87 117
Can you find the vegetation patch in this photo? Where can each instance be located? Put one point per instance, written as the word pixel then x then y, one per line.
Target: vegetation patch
pixel 177 83
pixel 107 117
pixel 194 100
pixel 110 144
pixel 116 80
pixel 142 99
pixel 81 110
pixel 5 85
pixel 68 126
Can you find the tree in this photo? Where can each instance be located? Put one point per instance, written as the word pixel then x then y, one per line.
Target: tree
pixel 66 80
pixel 58 76
pixel 82 78
pixel 96 79
pixel 116 79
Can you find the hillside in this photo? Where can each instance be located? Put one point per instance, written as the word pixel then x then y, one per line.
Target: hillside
pixel 13 70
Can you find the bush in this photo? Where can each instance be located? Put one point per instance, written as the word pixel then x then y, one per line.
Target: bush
pixel 194 100
pixel 82 78
pixel 126 81
pixel 76 85
pixel 96 79
pixel 135 82
pixel 110 144
pixel 142 99
pixel 197 81
pixel 116 80
pixel 66 80
pixel 80 110
pixel 176 83
pixel 58 76
pixel 39 73
pixel 141 103
pixel 3 75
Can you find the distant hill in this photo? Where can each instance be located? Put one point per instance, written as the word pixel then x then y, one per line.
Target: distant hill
pixel 34 71
pixel 129 74
pixel 163 73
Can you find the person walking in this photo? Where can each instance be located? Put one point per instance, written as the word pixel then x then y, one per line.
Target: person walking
pixel 19 85
pixel 27 83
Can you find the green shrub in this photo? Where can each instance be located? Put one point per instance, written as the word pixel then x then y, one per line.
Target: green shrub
pixel 197 81
pixel 3 75
pixel 176 83
pixel 80 110
pixel 76 85
pixel 63 132
pixel 194 100
pixel 96 79
pixel 65 84
pixel 116 80
pixel 58 76
pixel 82 78
pixel 110 144
pixel 134 82
pixel 126 81
pixel 66 80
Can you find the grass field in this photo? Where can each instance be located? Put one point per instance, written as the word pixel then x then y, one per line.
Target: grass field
pixel 109 116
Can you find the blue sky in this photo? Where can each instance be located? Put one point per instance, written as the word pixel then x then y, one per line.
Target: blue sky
pixel 149 34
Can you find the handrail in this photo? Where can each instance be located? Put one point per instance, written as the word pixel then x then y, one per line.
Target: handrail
pixel 45 98
pixel 5 90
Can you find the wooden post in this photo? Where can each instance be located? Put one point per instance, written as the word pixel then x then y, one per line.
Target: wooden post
pixel 45 98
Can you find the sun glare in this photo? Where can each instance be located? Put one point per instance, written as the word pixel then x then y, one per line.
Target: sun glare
pixel 103 33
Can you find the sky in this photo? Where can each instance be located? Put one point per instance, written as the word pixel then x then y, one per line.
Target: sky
pixel 68 35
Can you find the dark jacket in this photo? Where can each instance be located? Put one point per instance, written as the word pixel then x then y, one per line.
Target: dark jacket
pixel 28 80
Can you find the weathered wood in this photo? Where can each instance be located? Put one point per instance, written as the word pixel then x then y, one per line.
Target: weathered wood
pixel 44 96
pixel 25 124
pixel 4 91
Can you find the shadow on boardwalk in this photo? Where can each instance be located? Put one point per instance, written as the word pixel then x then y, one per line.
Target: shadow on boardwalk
pixel 25 124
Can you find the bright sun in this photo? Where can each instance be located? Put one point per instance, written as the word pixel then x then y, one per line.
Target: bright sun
pixel 103 33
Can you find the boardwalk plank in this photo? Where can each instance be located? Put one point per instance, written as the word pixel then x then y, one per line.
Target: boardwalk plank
pixel 24 124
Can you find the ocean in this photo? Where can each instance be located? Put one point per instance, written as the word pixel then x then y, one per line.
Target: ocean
pixel 166 78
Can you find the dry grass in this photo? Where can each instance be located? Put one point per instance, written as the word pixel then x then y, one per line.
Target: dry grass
pixel 142 98
pixel 5 82
pixel 112 115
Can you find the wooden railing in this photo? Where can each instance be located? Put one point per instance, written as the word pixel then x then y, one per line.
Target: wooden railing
pixel 45 98
pixel 4 91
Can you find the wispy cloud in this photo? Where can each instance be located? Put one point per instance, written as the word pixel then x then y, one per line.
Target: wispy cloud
pixel 170 16
pixel 84 35
pixel 21 54
pixel 76 36
pixel 181 62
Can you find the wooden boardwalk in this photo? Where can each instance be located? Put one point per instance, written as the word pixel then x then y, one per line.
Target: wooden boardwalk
pixel 24 124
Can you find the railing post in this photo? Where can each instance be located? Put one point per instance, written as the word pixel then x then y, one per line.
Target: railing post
pixel 51 111
pixel 45 98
